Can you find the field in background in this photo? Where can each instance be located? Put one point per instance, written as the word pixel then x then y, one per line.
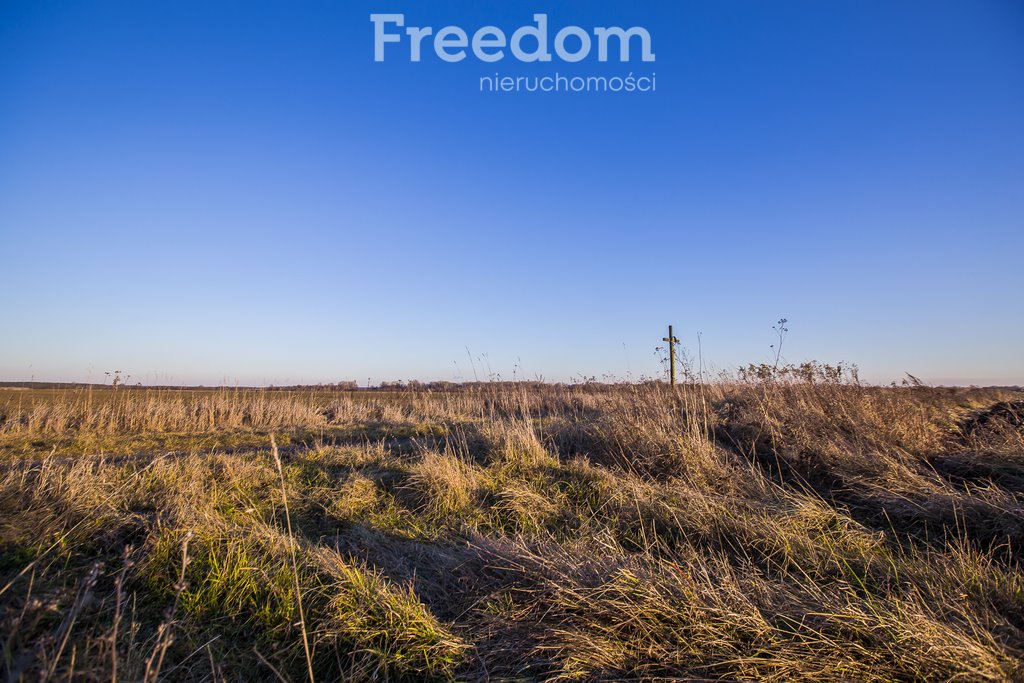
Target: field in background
pixel 795 525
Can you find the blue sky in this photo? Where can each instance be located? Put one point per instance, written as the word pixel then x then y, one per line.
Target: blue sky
pixel 199 192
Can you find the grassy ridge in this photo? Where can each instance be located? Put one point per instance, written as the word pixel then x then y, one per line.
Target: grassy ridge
pixel 795 525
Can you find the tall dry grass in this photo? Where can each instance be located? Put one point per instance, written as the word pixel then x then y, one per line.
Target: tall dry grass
pixel 789 524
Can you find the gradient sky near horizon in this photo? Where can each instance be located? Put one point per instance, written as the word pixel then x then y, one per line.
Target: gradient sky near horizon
pixel 206 192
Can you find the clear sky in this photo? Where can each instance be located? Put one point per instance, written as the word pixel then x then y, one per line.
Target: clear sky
pixel 198 192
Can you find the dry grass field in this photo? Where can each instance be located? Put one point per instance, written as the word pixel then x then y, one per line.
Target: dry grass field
pixel 789 525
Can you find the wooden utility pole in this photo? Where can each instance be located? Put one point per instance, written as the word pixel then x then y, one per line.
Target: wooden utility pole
pixel 672 341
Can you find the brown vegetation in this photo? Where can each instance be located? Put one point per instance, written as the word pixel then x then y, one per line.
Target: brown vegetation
pixel 790 525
